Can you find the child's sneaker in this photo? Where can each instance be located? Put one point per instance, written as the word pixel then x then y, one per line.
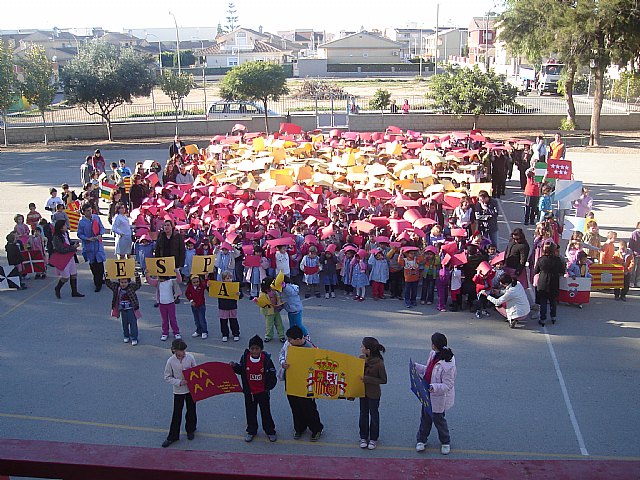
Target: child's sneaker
pixel 134 342
pixel 204 336
pixel 478 314
pixel 164 338
pixel 283 339
pixel 333 294
pixel 267 339
pixel 445 449
pixel 326 295
pixel 372 445
pixel 236 339
pixel 126 339
pixel 363 443
pixel 317 294
pixel 177 336
pixel 195 334
pixel 486 313
pixel 420 447
pixel 225 339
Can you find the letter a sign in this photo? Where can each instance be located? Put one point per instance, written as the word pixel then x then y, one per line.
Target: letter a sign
pixel 124 268
pixel 230 290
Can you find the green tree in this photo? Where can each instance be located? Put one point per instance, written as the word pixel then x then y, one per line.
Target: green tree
pixel 596 33
pixel 7 84
pixel 256 81
pixel 176 87
pixel 232 17
pixel 104 76
pixel 380 100
pixel 470 90
pixel 38 84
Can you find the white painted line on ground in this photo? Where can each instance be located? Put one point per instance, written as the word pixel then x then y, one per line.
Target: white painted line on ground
pixel 565 394
pixel 556 365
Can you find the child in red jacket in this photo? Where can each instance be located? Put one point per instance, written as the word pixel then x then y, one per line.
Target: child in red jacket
pixel 195 294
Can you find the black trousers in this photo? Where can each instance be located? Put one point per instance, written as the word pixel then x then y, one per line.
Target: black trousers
pixel 251 404
pixel 191 418
pixel 97 270
pixel 396 280
pixel 305 414
pixel 224 327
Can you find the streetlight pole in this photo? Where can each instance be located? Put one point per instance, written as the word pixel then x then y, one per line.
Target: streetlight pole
pixel 177 42
pixel 435 66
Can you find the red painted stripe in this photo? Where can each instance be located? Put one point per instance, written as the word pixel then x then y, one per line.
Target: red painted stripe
pixel 102 462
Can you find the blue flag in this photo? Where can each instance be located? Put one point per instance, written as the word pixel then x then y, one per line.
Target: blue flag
pixel 419 387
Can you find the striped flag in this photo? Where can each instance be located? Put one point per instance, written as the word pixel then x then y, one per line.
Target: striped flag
pixel 106 189
pixel 74 218
pixel 127 184
pixel 540 171
pixel 606 275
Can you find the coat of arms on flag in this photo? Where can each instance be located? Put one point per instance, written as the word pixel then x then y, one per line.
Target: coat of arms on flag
pixel 575 291
pixel 317 373
pixel 33 262
pixel 560 169
pixel 9 277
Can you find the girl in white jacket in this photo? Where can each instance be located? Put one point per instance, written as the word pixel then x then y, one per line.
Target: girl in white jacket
pixel 440 373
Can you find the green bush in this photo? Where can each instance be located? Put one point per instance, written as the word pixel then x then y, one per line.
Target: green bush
pixel 567 125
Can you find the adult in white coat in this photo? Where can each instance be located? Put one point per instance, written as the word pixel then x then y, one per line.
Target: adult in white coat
pixel 513 304
pixel 440 373
pixel 121 227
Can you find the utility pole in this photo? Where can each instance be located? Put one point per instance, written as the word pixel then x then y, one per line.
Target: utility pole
pixel 437 34
pixel 177 42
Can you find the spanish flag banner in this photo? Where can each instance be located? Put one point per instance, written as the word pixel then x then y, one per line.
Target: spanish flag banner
pixel 317 373
pixel 211 378
pixel 606 275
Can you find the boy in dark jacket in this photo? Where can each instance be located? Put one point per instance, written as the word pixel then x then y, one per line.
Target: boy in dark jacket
pixel 126 305
pixel 258 376
pixel 14 250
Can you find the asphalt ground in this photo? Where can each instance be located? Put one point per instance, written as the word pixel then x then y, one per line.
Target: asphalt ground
pixel 567 391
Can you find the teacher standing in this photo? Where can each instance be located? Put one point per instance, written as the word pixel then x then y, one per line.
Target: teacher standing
pixel 171 244
pixel 90 231
pixel 65 248
pixel 549 269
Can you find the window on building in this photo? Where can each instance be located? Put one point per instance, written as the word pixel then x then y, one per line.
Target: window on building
pixel 241 38
pixel 365 54
pixel 232 61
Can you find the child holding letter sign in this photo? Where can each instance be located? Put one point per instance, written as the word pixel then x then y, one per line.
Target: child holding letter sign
pixel 125 304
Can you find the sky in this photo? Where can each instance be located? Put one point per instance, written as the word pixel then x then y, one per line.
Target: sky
pixel 273 15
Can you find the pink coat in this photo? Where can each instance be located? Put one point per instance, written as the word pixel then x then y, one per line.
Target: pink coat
pixel 443 378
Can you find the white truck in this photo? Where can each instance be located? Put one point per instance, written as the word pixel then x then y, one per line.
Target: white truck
pixel 544 80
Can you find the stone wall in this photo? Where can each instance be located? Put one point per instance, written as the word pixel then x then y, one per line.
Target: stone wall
pixel 359 123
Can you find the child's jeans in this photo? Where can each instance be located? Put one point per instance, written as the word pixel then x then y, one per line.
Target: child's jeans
pixel 272 321
pixel 295 318
pixel 168 314
pixel 410 293
pixel 255 289
pixel 199 319
pixel 428 288
pixel 129 324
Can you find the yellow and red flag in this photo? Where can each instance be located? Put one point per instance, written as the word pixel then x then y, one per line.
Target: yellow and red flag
pixel 317 373
pixel 606 275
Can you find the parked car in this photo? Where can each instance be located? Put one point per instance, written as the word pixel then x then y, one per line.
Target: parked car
pixel 230 109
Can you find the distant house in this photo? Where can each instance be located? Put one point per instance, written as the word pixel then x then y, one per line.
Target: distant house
pixel 481 40
pixel 245 45
pixel 450 42
pixel 308 38
pixel 413 40
pixel 361 47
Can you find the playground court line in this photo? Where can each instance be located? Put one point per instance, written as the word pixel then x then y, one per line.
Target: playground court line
pixel 345 446
pixel 556 364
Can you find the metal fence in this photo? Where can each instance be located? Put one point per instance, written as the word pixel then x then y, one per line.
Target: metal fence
pixel 62 114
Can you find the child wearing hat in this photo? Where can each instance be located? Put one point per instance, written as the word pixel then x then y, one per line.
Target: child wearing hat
pixel 258 375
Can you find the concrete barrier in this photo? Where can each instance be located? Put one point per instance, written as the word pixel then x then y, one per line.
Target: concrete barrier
pixel 364 122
